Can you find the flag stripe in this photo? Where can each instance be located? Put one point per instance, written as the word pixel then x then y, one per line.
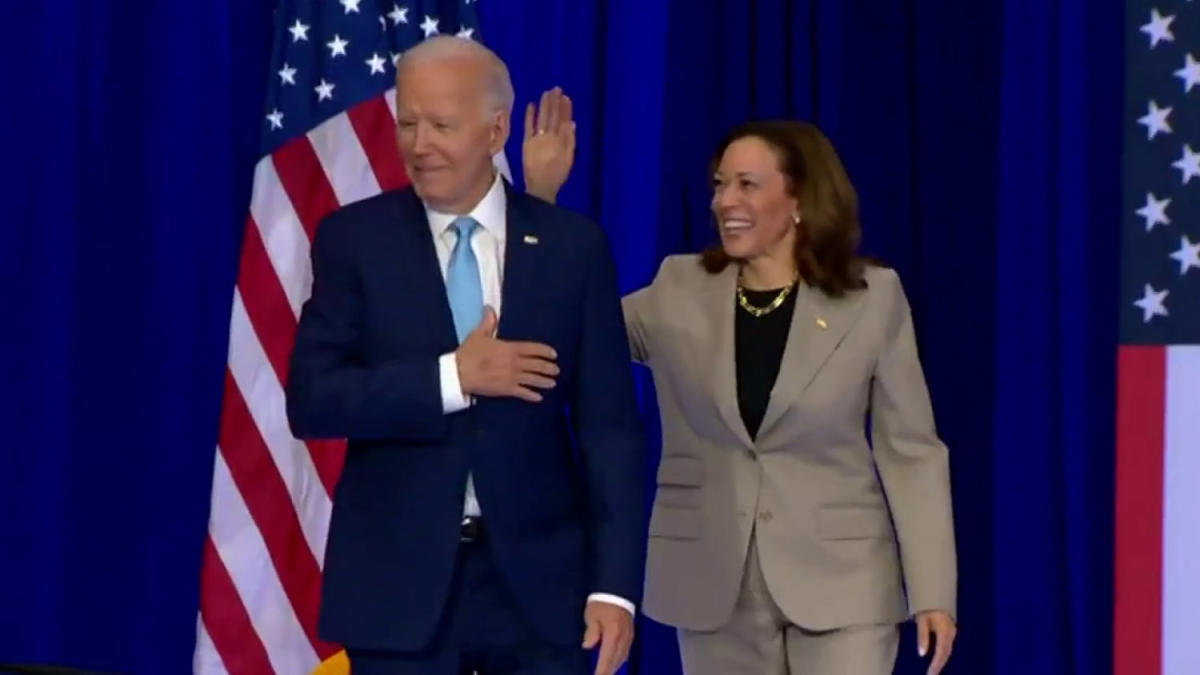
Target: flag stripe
pixel 342 158
pixel 390 97
pixel 232 634
pixel 206 660
pixel 305 182
pixel 270 329
pixel 292 461
pixel 328 456
pixel 1181 513
pixel 241 542
pixel 270 506
pixel 373 122
pixel 282 235
pixel 1141 404
pixel 266 302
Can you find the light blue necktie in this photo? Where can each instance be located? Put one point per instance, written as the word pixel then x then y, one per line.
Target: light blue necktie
pixel 463 286
pixel 465 291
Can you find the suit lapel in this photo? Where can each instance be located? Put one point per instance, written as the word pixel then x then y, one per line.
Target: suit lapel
pixel 721 297
pixel 425 271
pixel 818 325
pixel 521 264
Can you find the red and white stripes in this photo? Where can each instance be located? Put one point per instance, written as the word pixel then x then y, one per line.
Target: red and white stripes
pixel 1157 610
pixel 271 496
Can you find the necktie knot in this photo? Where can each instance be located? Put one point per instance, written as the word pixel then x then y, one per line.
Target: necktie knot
pixel 465 227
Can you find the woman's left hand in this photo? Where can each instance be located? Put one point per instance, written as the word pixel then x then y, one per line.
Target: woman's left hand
pixel 548 149
pixel 943 629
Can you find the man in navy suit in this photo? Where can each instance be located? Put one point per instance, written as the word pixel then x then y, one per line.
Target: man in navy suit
pixel 468 341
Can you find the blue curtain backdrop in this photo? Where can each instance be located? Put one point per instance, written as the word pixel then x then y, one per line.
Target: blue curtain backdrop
pixel 983 138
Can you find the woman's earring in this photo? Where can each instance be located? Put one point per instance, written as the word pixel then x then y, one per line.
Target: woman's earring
pixel 795 218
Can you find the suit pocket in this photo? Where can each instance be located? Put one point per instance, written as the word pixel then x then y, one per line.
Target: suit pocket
pixel 680 471
pixel 679 482
pixel 853 522
pixel 675 523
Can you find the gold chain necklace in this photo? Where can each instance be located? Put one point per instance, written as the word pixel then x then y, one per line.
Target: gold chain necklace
pixel 759 312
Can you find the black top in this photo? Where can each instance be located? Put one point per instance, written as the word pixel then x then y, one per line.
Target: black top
pixel 759 343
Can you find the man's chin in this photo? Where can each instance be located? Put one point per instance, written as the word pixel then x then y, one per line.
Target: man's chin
pixel 428 193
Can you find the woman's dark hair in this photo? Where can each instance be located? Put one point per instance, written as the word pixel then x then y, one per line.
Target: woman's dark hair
pixel 829 232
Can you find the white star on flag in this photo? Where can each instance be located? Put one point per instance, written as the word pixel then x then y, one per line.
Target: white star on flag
pixel 287 74
pixel 1188 255
pixel 376 64
pixel 1155 120
pixel 1189 73
pixel 1151 303
pixel 324 90
pixel 467 33
pixel 398 15
pixel 350 5
pixel 337 46
pixel 299 31
pixel 430 26
pixel 1159 28
pixel 276 119
pixel 1189 164
pixel 1155 211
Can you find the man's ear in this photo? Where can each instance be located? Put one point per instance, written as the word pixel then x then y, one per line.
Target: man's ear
pixel 499 131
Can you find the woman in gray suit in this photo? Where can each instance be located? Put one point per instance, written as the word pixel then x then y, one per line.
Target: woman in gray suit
pixel 803 505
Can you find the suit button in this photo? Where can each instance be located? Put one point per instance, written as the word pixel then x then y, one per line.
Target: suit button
pixel 765 517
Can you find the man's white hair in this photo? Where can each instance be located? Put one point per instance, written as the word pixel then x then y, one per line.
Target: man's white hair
pixel 443 47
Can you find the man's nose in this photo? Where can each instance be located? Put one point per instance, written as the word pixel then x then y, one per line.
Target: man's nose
pixel 420 138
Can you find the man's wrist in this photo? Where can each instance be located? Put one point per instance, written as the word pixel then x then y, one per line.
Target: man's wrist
pixel 617 600
pixel 454 397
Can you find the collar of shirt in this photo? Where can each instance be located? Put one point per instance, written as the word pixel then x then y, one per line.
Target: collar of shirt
pixel 489 213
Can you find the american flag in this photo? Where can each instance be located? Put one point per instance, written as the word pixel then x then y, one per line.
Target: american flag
pixel 327 139
pixel 1157 594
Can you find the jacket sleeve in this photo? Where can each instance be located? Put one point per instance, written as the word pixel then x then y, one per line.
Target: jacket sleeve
pixel 634 306
pixel 913 463
pixel 608 430
pixel 331 391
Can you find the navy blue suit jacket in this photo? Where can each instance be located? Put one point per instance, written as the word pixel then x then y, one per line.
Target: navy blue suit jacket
pixel 560 482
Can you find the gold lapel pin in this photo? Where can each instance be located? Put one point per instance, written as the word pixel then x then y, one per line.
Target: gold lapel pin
pixel 821 323
pixel 530 239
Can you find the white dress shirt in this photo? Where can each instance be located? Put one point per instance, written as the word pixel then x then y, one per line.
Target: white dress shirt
pixel 487 242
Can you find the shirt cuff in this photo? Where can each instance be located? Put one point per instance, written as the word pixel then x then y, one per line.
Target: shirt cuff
pixel 453 399
pixel 613 600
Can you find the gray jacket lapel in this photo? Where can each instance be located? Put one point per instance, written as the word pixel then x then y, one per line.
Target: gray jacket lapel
pixel 818 326
pixel 721 303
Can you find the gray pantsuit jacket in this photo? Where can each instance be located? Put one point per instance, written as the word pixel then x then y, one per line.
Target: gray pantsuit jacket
pixel 844 529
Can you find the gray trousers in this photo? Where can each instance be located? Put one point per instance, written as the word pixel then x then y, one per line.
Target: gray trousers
pixel 759 640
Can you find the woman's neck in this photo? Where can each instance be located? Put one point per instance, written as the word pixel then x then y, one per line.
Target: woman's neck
pixel 764 274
